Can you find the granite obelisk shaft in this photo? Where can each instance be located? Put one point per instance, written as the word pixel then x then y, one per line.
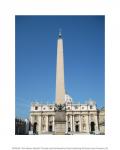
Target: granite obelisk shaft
pixel 60 87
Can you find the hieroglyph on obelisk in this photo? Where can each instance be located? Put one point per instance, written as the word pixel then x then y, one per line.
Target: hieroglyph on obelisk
pixel 60 87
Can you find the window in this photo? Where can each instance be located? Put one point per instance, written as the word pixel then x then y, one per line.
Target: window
pixel 50 107
pixel 91 107
pixel 36 107
pixel 82 107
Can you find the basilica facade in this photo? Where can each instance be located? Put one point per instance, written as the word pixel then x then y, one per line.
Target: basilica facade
pixel 63 116
pixel 74 119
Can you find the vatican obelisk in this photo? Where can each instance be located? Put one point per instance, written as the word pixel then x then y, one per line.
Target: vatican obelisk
pixel 60 119
pixel 60 85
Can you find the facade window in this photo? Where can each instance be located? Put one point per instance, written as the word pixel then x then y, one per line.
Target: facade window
pixel 82 107
pixel 50 107
pixel 91 107
pixel 36 107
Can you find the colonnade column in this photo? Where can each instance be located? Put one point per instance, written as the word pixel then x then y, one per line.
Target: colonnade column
pixel 66 123
pixel 39 124
pixel 87 124
pixel 96 123
pixel 71 123
pixel 53 123
pixel 46 123
pixel 79 123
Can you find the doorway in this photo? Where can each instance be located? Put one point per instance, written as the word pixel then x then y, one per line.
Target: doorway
pixel 92 126
pixel 35 128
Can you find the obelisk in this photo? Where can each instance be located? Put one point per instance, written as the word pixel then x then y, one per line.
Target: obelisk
pixel 60 87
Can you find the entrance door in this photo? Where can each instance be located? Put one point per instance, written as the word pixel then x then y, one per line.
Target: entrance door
pixel 92 126
pixel 35 128
pixel 69 129
pixel 50 128
pixel 77 128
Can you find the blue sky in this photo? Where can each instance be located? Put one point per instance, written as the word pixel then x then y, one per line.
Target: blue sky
pixel 36 50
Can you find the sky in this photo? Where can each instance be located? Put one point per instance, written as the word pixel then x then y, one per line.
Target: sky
pixel 35 60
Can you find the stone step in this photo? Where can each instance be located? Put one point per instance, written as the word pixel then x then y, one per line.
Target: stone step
pixel 59 133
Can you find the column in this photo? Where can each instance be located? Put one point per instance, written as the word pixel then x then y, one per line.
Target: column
pixel 79 123
pixel 96 124
pixel 39 124
pixel 31 119
pixel 87 124
pixel 89 121
pixel 53 123
pixel 71 123
pixel 46 123
pixel 66 124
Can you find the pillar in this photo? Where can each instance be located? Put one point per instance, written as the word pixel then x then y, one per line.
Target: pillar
pixel 39 124
pixel 71 122
pixel 79 123
pixel 46 123
pixel 87 124
pixel 96 123
pixel 53 123
pixel 66 124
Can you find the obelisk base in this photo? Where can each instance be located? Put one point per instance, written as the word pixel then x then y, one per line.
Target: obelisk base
pixel 60 123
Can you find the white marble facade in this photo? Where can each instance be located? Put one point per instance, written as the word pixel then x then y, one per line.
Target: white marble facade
pixel 80 118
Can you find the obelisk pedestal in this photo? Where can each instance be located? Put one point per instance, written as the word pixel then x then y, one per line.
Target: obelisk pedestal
pixel 60 122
